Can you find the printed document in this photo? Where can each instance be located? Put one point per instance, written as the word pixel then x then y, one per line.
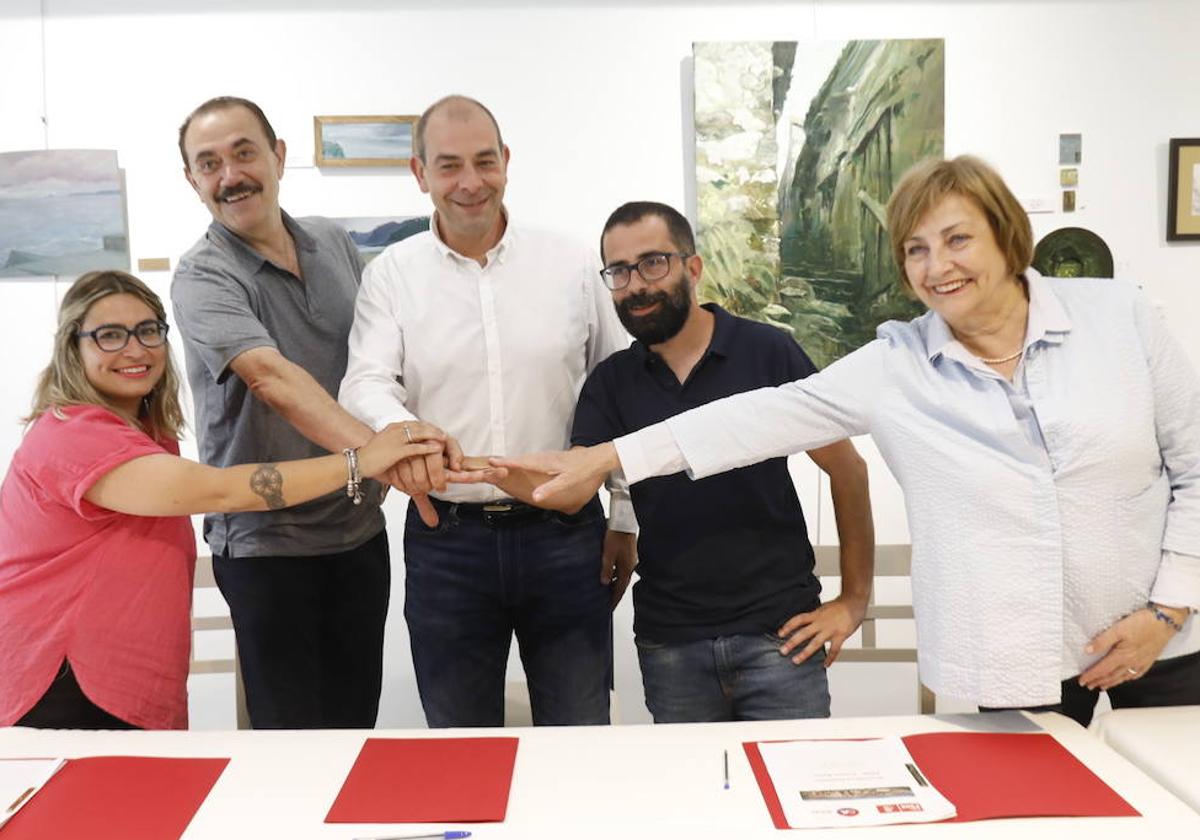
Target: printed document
pixel 823 784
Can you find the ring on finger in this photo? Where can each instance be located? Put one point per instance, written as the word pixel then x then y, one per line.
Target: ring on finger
pixel 1133 672
pixel 408 432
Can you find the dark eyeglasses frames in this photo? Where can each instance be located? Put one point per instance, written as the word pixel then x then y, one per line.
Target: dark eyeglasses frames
pixel 651 267
pixel 113 337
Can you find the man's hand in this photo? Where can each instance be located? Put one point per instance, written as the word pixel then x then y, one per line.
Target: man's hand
pixel 576 475
pixel 418 476
pixel 617 562
pixel 1129 648
pixel 475 469
pixel 833 622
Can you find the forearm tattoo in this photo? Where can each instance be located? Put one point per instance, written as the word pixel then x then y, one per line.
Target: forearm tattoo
pixel 268 483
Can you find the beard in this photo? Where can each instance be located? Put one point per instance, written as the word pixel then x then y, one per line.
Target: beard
pixel 665 322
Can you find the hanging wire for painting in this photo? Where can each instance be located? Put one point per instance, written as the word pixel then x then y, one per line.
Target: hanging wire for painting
pixel 45 118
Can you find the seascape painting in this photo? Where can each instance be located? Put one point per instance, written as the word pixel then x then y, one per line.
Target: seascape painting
pixel 363 141
pixel 798 148
pixel 371 234
pixel 62 213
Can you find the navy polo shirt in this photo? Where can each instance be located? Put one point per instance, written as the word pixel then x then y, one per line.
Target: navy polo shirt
pixel 728 554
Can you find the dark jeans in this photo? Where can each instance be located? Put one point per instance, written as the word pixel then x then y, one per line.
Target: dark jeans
pixel 65 706
pixel 1168 682
pixel 471 584
pixel 310 634
pixel 740 677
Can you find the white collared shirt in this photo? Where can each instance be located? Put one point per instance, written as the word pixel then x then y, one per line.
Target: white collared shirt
pixel 495 355
pixel 1041 511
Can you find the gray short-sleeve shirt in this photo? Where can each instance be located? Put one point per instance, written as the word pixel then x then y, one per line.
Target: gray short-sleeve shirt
pixel 229 299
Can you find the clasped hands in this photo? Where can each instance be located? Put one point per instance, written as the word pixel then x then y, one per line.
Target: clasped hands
pixel 419 474
pixel 557 480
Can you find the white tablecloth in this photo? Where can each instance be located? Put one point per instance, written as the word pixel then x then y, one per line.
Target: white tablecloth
pixel 584 783
pixel 1165 742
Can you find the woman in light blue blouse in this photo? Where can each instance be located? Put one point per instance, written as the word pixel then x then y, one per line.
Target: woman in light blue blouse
pixel 1046 434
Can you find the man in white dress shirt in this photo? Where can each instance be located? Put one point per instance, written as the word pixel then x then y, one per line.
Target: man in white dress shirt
pixel 488 330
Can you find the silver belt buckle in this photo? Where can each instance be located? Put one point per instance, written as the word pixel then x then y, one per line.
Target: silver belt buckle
pixel 497 507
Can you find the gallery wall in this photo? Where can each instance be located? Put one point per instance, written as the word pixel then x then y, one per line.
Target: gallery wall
pixel 594 100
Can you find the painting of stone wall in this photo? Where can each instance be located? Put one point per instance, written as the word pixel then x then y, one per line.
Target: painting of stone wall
pixel 798 147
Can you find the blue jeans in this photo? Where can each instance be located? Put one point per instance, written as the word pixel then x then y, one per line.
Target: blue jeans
pixel 739 677
pixel 471 585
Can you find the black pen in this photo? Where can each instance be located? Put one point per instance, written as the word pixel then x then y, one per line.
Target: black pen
pixel 726 769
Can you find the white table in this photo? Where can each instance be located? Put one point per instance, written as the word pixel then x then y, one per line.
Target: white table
pixel 1165 742
pixel 585 783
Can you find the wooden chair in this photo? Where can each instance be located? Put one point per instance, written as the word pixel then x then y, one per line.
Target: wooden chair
pixel 205 580
pixel 890 561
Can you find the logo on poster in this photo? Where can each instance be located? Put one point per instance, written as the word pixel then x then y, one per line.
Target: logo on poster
pixel 848 812
pixel 899 807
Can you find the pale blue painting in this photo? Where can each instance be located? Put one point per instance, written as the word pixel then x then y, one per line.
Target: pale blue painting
pixel 366 140
pixel 62 213
pixel 371 234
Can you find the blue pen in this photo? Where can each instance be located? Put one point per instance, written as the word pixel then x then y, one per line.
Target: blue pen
pixel 441 835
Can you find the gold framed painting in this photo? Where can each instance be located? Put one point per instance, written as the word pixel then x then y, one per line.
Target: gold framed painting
pixel 363 140
pixel 1183 190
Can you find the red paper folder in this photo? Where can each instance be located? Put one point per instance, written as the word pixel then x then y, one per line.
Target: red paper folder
pixel 988 775
pixel 416 780
pixel 117 798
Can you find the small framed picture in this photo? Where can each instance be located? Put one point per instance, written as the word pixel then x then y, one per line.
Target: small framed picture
pixel 1183 190
pixel 1068 201
pixel 1070 149
pixel 363 141
pixel 1068 177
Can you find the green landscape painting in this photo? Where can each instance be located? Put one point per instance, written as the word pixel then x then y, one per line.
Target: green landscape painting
pixel 798 147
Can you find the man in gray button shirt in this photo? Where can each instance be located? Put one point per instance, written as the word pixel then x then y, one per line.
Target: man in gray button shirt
pixel 265 303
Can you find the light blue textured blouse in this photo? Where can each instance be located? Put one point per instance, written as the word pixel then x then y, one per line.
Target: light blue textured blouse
pixel 1041 511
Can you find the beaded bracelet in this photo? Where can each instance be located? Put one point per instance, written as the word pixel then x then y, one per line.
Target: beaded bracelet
pixel 1163 617
pixel 353 479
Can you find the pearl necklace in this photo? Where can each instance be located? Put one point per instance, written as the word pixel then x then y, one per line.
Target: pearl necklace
pixel 1002 361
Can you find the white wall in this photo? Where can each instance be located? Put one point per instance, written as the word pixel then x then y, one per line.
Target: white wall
pixel 594 101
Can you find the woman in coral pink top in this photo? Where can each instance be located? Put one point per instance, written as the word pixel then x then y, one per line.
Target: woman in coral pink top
pixel 96 548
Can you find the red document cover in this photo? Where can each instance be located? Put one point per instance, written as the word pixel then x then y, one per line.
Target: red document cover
pixel 415 780
pixel 988 775
pixel 117 798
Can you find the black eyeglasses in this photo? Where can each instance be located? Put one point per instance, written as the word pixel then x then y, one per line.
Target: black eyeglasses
pixel 651 267
pixel 113 337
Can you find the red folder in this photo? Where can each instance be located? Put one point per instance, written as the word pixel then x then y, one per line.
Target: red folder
pixel 416 780
pixel 988 775
pixel 117 798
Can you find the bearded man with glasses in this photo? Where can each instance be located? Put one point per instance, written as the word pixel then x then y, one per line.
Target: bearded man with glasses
pixel 727 618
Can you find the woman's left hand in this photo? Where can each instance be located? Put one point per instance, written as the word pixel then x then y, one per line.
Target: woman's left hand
pixel 1130 647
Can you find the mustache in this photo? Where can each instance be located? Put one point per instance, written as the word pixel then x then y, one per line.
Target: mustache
pixel 238 190
pixel 643 299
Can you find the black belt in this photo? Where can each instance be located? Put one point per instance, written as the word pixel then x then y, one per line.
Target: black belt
pixel 498 514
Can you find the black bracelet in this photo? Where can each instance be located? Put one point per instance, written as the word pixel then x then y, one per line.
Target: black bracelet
pixel 1163 617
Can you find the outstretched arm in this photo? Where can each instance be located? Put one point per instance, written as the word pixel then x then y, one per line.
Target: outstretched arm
pixel 560 480
pixel 166 485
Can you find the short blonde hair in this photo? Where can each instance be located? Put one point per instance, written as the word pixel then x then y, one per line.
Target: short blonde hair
pixel 925 185
pixel 64 382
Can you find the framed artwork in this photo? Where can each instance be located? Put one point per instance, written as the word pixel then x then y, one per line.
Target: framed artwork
pixel 62 213
pixel 798 147
pixel 363 141
pixel 1183 190
pixel 371 234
